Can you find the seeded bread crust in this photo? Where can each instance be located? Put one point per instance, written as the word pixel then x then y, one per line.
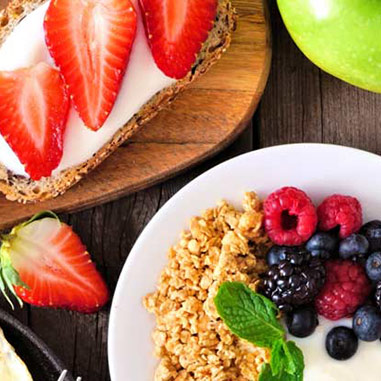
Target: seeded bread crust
pixel 24 190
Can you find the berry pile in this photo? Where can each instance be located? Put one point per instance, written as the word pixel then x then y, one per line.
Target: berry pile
pixel 324 262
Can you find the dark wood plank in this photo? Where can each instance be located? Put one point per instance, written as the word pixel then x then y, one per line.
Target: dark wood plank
pixel 291 108
pixel 351 116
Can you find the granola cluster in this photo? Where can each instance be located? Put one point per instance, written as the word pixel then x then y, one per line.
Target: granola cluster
pixel 192 342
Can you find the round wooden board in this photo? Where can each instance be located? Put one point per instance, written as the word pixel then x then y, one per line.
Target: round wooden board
pixel 202 121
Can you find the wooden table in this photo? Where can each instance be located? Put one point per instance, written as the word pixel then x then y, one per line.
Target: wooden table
pixel 301 104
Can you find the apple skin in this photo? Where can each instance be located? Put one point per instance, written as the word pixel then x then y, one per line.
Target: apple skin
pixel 342 37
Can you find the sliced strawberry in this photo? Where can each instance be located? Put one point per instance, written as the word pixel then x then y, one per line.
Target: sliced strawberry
pixel 176 31
pixel 33 114
pixel 90 41
pixel 45 263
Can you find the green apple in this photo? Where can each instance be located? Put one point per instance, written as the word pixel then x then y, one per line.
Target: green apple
pixel 342 37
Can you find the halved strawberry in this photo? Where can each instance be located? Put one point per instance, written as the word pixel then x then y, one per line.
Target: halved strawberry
pixel 44 263
pixel 176 30
pixel 33 114
pixel 90 41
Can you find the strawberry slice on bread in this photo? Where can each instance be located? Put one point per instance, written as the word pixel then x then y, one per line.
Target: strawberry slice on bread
pixel 176 30
pixel 90 41
pixel 44 263
pixel 33 113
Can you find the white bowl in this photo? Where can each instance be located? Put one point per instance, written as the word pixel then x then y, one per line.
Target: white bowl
pixel 318 169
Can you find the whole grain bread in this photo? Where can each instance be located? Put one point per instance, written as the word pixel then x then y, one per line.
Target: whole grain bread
pixel 22 189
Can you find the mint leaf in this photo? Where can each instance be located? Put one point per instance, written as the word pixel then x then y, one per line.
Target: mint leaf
pixel 277 355
pixel 294 359
pixel 266 375
pixel 248 314
pixel 286 357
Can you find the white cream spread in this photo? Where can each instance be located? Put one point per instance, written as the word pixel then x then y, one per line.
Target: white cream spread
pixel 25 46
pixel 364 365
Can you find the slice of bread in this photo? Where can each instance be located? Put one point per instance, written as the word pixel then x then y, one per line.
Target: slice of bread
pixel 19 188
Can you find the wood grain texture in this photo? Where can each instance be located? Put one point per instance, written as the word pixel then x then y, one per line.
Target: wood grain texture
pixel 200 123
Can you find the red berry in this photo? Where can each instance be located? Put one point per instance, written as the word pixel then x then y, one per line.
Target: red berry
pixel 290 216
pixel 346 288
pixel 343 211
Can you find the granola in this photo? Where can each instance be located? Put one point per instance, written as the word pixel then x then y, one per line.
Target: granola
pixel 192 342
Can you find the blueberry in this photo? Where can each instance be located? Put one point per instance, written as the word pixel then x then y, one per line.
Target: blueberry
pixel 354 247
pixel 293 254
pixel 275 255
pixel 322 245
pixel 372 231
pixel 367 323
pixel 302 321
pixel 373 266
pixel 341 343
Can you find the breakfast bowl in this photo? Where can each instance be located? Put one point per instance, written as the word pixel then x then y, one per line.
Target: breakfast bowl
pixel 319 170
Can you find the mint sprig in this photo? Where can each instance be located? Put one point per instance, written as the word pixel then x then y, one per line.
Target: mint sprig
pixel 253 317
pixel 287 361
pixel 249 315
pixel 267 375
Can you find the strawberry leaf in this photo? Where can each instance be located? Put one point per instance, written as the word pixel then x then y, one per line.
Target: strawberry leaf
pixel 4 292
pixel 9 278
pixel 40 216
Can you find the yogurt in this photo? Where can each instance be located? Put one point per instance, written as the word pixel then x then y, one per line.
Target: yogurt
pixel 364 365
pixel 25 46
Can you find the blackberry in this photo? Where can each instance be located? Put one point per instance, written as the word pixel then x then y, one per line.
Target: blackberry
pixel 294 281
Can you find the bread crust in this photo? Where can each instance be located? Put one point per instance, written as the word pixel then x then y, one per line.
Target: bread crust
pixel 24 190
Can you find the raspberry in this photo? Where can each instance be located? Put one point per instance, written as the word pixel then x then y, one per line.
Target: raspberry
pixel 346 288
pixel 290 216
pixel 343 211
